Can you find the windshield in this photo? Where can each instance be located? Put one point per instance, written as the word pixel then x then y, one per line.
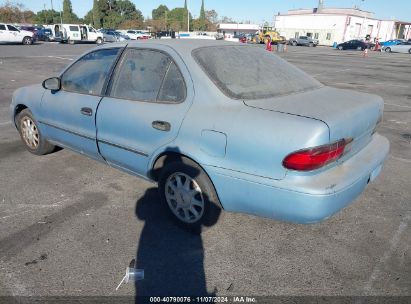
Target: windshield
pixel 251 72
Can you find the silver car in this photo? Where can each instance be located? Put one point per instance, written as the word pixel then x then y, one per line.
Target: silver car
pixel 403 47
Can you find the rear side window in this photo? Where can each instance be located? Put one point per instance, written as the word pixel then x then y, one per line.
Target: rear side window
pixel 73 28
pixel 12 28
pixel 148 75
pixel 2 27
pixel 250 72
pixel 89 74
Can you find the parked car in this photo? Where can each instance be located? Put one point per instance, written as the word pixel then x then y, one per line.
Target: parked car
pixel 10 34
pixel 174 112
pixel 114 36
pixel 353 45
pixel 135 34
pixel 391 42
pixel 45 34
pixel 303 40
pixel 403 47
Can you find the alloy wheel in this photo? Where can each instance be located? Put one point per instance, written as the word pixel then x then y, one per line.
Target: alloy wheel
pixel 29 132
pixel 184 197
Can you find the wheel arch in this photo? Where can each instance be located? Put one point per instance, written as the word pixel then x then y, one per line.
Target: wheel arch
pixel 17 110
pixel 167 157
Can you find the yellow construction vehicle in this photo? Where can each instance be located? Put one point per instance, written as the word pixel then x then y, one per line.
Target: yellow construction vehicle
pixel 267 32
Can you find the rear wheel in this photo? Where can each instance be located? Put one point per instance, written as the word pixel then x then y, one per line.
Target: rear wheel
pixel 70 41
pixel 31 135
pixel 341 48
pixel 311 44
pixel 388 50
pixel 295 43
pixel 409 51
pixel 27 40
pixel 189 194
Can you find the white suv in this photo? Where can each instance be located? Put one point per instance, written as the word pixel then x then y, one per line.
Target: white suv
pixel 9 33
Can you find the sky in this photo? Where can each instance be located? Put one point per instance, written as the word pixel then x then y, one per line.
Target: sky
pixel 256 11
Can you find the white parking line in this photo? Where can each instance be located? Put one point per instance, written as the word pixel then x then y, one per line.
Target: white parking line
pixel 388 253
pixel 5 123
pixel 60 58
pixel 397 105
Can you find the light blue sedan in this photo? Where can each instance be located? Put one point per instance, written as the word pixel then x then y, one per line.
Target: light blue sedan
pixel 263 138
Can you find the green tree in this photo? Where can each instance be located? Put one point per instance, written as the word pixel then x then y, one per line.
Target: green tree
pixel 68 15
pixel 159 13
pixel 202 19
pixel 177 19
pixel 88 18
pixel 112 20
pixel 97 14
pixel 47 17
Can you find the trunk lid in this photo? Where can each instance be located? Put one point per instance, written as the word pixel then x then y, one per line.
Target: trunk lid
pixel 346 113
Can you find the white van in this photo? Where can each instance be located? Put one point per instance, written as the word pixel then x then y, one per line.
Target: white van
pixel 10 34
pixel 72 33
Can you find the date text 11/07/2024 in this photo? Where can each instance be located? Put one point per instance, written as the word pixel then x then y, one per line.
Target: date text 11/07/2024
pixel 234 299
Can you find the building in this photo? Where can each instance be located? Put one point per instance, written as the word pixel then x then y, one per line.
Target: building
pixel 232 29
pixel 330 25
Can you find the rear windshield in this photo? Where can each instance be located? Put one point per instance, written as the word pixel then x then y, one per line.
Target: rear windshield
pixel 251 72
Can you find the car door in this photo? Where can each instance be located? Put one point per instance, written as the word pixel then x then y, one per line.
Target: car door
pixel 4 33
pixel 68 115
pixel 149 95
pixel 14 34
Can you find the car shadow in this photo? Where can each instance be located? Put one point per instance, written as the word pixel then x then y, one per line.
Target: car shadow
pixel 171 256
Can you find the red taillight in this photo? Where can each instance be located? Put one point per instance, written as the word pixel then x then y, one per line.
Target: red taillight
pixel 317 157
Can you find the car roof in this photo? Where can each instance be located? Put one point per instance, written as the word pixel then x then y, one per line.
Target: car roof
pixel 183 45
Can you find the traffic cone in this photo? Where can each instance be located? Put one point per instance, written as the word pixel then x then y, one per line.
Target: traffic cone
pixel 365 53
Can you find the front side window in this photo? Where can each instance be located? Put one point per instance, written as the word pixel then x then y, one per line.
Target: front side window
pixel 73 28
pixel 266 76
pixel 148 75
pixel 12 28
pixel 88 75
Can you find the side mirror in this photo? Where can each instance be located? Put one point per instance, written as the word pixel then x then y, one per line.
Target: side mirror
pixel 53 84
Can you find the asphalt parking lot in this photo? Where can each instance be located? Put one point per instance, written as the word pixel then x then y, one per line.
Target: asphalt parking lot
pixel 71 226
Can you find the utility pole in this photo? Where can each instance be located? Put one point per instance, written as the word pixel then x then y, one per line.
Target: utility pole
pixel 52 5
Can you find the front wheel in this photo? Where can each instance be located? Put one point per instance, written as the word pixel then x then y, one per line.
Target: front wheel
pixel 27 41
pixel 294 43
pixel 31 135
pixel 341 48
pixel 99 40
pixel 409 51
pixel 388 50
pixel 189 194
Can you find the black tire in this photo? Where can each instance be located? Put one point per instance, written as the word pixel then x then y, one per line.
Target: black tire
pixel 27 40
pixel 388 50
pixel 311 44
pixel 99 40
pixel 294 43
pixel 43 147
pixel 409 51
pixel 69 41
pixel 341 48
pixel 211 205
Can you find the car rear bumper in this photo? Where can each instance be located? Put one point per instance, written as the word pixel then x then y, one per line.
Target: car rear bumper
pixel 301 199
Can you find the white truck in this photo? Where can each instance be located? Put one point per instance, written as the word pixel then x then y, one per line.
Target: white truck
pixel 73 33
pixel 10 34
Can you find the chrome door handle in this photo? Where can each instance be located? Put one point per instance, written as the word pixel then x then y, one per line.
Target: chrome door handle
pixel 86 111
pixel 161 125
